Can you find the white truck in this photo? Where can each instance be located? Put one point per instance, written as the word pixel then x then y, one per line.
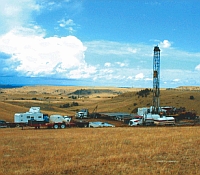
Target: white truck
pixel 83 113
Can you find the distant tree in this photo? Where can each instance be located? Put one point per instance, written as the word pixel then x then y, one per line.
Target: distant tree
pixel 74 97
pixel 143 93
pixel 74 104
pixel 67 105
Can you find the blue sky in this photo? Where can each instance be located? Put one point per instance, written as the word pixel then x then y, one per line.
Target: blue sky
pixel 99 42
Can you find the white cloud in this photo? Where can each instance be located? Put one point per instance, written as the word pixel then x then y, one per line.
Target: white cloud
pixel 112 48
pixel 84 72
pixel 176 80
pixel 34 55
pixel 121 64
pixel 139 76
pixel 64 22
pixel 107 64
pixel 16 13
pixel 197 67
pixel 68 25
pixel 165 44
pixel 132 50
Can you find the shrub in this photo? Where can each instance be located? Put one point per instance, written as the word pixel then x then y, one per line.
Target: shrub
pixel 74 104
pixel 143 93
pixel 191 97
pixel 67 105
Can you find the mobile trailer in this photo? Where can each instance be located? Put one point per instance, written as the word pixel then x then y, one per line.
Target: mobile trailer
pixel 25 117
pixel 21 119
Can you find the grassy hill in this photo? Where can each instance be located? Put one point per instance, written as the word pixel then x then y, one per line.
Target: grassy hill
pixel 51 99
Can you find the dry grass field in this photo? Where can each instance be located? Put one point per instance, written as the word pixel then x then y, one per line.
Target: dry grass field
pixel 50 98
pixel 119 150
pixel 88 151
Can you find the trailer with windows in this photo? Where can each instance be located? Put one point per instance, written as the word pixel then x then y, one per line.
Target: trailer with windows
pixel 21 119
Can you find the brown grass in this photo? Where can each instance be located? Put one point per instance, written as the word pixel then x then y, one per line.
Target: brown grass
pixel 150 150
pixel 120 150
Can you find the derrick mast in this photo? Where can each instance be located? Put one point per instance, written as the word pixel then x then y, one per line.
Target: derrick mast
pixel 156 80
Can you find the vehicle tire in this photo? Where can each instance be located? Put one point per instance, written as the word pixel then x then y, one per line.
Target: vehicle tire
pixel 55 126
pixel 62 126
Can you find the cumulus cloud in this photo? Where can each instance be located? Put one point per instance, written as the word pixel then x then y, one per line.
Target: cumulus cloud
pixel 35 55
pixel 165 44
pixel 197 67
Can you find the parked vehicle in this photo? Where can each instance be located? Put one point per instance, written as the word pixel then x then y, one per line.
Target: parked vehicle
pixel 100 124
pixel 83 113
pixel 3 124
pixel 55 121
pixel 135 122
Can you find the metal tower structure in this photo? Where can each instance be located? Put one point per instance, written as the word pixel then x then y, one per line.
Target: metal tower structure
pixel 156 80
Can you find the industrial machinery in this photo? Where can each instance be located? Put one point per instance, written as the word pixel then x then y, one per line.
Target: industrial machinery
pixel 156 80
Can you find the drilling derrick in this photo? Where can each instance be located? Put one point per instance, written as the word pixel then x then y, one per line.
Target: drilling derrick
pixel 156 80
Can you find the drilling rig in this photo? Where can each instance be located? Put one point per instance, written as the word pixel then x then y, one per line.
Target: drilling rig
pixel 156 80
pixel 152 115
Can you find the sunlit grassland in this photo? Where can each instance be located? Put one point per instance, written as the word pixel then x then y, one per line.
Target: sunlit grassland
pixel 138 150
pixel 51 98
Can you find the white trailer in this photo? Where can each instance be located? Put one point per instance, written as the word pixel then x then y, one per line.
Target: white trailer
pixel 25 117
pixel 22 119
